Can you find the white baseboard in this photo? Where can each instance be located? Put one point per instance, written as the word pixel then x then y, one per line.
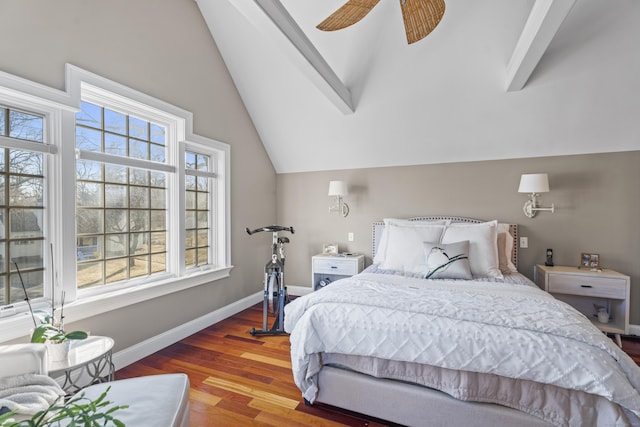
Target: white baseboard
pixel 149 346
pixel 634 330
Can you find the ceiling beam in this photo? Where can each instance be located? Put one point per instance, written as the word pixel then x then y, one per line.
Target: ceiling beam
pixel 272 19
pixel 542 25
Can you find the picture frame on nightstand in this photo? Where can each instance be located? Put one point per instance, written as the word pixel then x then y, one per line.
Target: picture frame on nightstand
pixel 590 261
pixel 330 249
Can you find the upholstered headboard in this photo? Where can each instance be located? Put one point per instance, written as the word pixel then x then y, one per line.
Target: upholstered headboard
pixel 378 226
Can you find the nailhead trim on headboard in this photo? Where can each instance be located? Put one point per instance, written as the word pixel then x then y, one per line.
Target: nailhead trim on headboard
pixel 513 230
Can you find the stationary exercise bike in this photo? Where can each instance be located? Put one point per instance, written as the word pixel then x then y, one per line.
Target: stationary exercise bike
pixel 275 292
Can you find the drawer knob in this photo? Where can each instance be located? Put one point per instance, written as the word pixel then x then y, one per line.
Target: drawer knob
pixel 334 267
pixel 586 286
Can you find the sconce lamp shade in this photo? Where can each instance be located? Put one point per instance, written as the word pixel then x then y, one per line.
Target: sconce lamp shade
pixel 337 188
pixel 534 183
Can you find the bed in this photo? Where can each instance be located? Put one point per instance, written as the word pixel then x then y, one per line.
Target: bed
pixel 476 344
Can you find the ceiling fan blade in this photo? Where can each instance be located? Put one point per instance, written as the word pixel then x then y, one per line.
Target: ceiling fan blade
pixel 350 13
pixel 420 17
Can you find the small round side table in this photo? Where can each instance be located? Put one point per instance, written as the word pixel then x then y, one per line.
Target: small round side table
pixel 89 362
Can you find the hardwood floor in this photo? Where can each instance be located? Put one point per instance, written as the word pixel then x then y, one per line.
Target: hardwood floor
pixel 237 379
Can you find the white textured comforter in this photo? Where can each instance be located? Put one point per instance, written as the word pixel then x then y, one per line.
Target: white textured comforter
pixel 513 331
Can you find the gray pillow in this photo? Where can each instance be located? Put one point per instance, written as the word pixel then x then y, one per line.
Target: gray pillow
pixel 447 260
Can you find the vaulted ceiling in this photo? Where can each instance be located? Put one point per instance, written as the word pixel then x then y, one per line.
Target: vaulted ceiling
pixel 496 79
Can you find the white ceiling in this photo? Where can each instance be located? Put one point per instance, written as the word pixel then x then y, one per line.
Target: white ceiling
pixel 444 98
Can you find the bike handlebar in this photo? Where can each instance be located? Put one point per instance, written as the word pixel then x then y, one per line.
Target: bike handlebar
pixel 270 228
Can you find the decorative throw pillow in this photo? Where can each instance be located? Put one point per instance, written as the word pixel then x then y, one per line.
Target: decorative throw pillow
pixel 483 246
pixel 505 249
pixel 404 251
pixel 447 261
pixel 381 250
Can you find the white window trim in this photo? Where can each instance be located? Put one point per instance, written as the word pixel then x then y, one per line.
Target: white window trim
pixel 59 108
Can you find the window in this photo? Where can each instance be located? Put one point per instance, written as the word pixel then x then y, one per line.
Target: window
pixel 106 198
pixel 121 212
pixel 22 183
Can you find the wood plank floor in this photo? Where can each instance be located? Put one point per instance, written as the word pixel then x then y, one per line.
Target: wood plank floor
pixel 237 379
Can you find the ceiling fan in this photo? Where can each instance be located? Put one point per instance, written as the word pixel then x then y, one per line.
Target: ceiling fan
pixel 420 16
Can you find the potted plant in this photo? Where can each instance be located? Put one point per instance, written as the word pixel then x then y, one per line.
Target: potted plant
pixel 51 331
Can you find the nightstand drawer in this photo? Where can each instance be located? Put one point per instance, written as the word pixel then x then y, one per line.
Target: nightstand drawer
pixel 589 286
pixel 335 266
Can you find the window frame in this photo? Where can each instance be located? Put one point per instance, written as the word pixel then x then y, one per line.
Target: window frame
pixel 58 109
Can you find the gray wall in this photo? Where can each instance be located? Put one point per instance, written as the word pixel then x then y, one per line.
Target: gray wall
pixel 597 199
pixel 162 48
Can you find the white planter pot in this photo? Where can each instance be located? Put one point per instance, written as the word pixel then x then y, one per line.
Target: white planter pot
pixel 57 352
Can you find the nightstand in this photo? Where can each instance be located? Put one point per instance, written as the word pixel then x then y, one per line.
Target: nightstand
pixel 583 288
pixel 334 267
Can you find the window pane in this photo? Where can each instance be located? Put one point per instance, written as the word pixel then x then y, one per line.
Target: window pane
pixel 88 139
pixel 88 194
pixel 116 245
pixel 158 263
pixel 89 248
pixel 26 253
pixel 190 239
pixel 116 270
pixel 190 160
pixel 158 198
pixel 90 274
pixel 139 243
pixel 158 179
pixel 203 256
pixel 138 177
pixel 2 161
pixel 157 153
pixel 89 221
pixel 25 191
pixel 190 219
pixel 3 128
pixel 190 182
pixel 139 266
pixel 116 221
pixel 3 257
pixel 158 220
pixel 158 134
pixel 138 149
pixel 190 258
pixel 203 201
pixel 115 173
pixel 3 216
pixel 138 128
pixel 190 199
pixel 33 282
pixel 139 220
pixel 203 219
pixel 25 223
pixel 88 171
pixel 138 197
pixel 89 115
pixel 115 196
pixel 25 126
pixel 203 162
pixel 115 122
pixel 115 144
pixel 158 242
pixel 203 237
pixel 25 162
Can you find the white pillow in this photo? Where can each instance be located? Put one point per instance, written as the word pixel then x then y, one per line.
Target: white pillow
pixel 404 250
pixel 505 249
pixel 483 246
pixel 381 250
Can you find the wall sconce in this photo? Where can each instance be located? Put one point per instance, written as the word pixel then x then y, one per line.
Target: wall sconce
pixel 338 189
pixel 534 183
